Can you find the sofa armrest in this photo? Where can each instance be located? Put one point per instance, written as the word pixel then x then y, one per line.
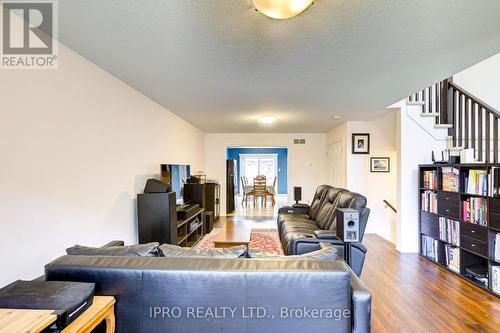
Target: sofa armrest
pixel 300 205
pixel 114 243
pixel 308 244
pixel 326 234
pixel 361 306
pixel 293 210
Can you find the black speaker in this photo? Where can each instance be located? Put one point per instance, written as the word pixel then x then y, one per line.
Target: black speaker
pixel 209 221
pixel 297 193
pixel 348 225
pixel 156 186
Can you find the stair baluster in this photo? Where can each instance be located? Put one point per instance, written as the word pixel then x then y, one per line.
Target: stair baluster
pixel 474 123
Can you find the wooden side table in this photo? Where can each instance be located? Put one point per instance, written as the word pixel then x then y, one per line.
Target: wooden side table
pixel 35 321
pixel 102 308
pixel 25 321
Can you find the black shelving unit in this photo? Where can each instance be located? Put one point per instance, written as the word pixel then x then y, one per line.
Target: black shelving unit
pixel 190 231
pixel 476 242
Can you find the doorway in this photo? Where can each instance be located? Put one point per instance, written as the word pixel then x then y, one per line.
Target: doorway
pixel 336 164
pixel 271 162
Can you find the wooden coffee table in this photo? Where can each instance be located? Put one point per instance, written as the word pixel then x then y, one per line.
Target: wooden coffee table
pixel 233 234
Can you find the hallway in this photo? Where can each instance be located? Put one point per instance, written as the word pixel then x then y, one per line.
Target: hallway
pixel 249 210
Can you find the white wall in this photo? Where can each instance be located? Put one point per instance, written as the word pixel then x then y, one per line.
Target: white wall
pixel 482 80
pixel 414 148
pixel 306 163
pixel 375 186
pixel 76 145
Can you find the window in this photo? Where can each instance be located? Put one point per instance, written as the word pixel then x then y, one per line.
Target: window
pixel 252 165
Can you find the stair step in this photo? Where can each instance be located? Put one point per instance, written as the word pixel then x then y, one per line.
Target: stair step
pixel 443 126
pixel 415 103
pixel 429 114
pixel 456 148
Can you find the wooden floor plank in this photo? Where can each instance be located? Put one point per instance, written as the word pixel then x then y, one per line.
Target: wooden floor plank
pixel 411 294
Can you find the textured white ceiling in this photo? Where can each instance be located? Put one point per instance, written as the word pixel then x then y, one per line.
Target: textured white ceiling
pixel 219 63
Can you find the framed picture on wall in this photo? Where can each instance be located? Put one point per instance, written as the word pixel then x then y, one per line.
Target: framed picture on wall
pixel 360 143
pixel 380 164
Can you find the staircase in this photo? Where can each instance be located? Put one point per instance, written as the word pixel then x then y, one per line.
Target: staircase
pixel 471 123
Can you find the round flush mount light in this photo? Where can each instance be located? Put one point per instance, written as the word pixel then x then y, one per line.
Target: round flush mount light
pixel 282 9
pixel 267 119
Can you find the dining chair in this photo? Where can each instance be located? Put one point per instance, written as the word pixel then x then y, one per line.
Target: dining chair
pixel 247 190
pixel 259 189
pixel 271 191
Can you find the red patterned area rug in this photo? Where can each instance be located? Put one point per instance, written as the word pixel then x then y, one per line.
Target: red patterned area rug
pixel 266 240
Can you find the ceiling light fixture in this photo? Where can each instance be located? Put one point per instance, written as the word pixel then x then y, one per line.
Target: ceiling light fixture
pixel 282 9
pixel 267 119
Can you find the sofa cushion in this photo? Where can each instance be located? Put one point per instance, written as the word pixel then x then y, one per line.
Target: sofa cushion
pixel 139 250
pixel 318 200
pixel 326 253
pixel 290 237
pixel 168 250
pixel 298 227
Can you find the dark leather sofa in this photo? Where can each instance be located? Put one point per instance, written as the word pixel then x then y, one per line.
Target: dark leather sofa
pixel 160 294
pixel 302 227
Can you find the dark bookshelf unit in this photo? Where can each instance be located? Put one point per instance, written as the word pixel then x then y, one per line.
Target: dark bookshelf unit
pixel 445 229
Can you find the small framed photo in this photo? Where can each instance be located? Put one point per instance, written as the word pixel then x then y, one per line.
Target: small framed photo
pixel 380 164
pixel 360 143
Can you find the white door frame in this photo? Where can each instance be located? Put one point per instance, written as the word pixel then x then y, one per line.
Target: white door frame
pixel 331 162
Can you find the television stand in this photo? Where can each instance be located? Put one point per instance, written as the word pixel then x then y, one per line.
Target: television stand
pixel 190 230
pixel 186 211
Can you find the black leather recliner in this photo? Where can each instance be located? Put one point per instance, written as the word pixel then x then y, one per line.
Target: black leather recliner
pixel 302 227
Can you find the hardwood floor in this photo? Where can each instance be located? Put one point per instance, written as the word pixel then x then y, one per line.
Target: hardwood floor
pixel 259 210
pixel 411 294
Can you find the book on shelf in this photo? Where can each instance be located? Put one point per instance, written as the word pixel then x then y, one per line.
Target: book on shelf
pixel 430 179
pixel 452 257
pixel 494 182
pixel 451 178
pixel 431 249
pixel 429 201
pixel 495 279
pixel 476 182
pixel 497 246
pixel 475 210
pixel 449 231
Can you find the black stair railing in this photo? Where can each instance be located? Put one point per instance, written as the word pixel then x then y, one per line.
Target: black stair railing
pixel 474 122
